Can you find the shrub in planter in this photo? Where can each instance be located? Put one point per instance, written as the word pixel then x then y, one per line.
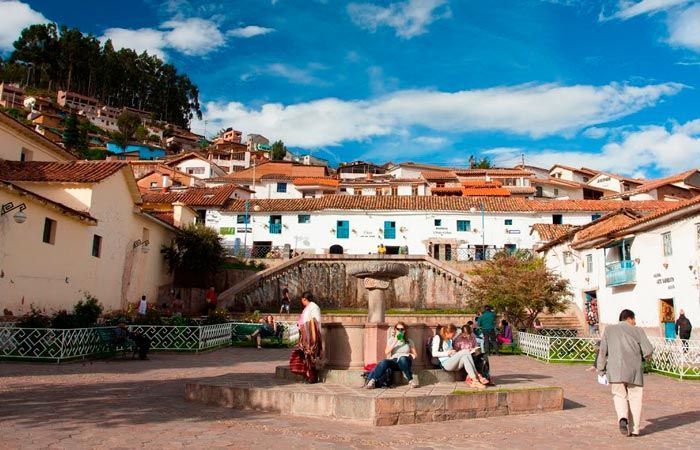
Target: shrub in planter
pixel 35 318
pixel 152 317
pixel 113 318
pixel 216 317
pixel 87 311
pixel 64 319
pixel 180 321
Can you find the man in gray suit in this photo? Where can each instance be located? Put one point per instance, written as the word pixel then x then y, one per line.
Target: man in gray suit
pixel 621 349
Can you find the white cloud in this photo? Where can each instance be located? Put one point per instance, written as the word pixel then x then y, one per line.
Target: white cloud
pixel 596 132
pixel 629 9
pixel 684 28
pixel 532 109
pixel 249 31
pixel 292 74
pixel 192 36
pixel 434 141
pixel 651 147
pixel 16 16
pixel 409 18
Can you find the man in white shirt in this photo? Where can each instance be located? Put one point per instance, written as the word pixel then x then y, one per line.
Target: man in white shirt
pixel 143 306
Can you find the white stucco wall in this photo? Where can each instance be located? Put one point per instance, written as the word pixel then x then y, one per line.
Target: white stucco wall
pixel 12 143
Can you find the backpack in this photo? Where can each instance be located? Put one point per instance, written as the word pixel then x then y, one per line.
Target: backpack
pixel 384 381
pixel 684 325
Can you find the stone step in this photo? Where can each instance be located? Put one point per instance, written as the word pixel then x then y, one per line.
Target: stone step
pixel 378 407
pixel 354 378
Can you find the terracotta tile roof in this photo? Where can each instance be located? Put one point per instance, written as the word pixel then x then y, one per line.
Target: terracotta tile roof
pixel 582 170
pixel 603 227
pixel 481 183
pixel 485 192
pixel 549 231
pixel 521 189
pixel 673 207
pixel 274 169
pixel 438 203
pixel 447 190
pixel 494 172
pixel 557 182
pixel 81 215
pixel 654 184
pixel 164 216
pixel 331 182
pixel 216 196
pixel 439 175
pixel 67 171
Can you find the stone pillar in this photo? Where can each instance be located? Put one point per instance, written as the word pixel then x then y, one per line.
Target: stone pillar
pixel 375 342
pixel 376 307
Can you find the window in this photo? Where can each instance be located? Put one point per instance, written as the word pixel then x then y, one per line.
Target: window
pixel 589 263
pixel 357 191
pixel 378 192
pixel 281 187
pixel 154 184
pixel 668 250
pixel 510 248
pixel 595 217
pixel 26 155
pixel 509 221
pixel 389 230
pixel 414 190
pixel 394 190
pixel 440 184
pixel 304 218
pixel 556 192
pixel 438 222
pixel 586 179
pixel 343 189
pixel 241 218
pixel 464 225
pixel 568 257
pixel 557 219
pixel 195 170
pixel 49 231
pixel 275 224
pixel 538 191
pixel 96 246
pixel 342 229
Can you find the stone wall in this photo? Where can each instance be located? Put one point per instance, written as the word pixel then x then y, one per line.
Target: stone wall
pixel 429 284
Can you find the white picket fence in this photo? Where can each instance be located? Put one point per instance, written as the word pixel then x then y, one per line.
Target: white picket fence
pixel 57 345
pixel 671 357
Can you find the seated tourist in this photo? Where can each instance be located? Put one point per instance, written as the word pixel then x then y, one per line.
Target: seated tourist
pixel 400 353
pixel 452 360
pixel 466 340
pixel 506 334
pixel 266 330
pixel 122 336
pixel 477 332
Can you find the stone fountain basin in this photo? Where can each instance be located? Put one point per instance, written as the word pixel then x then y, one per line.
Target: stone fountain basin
pixel 379 270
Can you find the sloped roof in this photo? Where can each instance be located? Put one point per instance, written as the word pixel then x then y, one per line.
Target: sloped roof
pixel 654 184
pixel 432 175
pixel 66 171
pixel 438 203
pixel 278 170
pixel 215 196
pixel 549 231
pixel 318 181
pixel 493 172
pixel 167 217
pixel 674 207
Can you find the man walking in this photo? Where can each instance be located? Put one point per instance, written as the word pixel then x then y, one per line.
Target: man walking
pixel 620 357
pixel 487 323
pixel 683 330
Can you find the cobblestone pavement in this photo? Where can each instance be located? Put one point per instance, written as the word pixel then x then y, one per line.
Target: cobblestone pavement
pixel 137 404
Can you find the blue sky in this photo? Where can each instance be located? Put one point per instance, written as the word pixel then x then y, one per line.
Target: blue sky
pixel 611 84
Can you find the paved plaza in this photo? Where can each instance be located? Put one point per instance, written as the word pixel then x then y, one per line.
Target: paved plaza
pixel 138 404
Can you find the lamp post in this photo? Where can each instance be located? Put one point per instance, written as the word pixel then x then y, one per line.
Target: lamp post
pixel 483 231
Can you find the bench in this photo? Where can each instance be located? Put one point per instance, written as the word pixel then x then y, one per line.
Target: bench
pixel 107 338
pixel 241 332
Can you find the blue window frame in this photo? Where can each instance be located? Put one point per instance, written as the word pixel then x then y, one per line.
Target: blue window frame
pixel 509 221
pixel 438 222
pixel 275 224
pixel 389 230
pixel 595 217
pixel 281 187
pixel 342 229
pixel 464 225
pixel 241 219
pixel 304 218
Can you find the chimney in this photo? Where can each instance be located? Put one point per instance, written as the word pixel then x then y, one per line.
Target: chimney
pixel 165 183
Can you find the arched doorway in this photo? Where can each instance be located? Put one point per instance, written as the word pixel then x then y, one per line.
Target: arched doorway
pixel 336 249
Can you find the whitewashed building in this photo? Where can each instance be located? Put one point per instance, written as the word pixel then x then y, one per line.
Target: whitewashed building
pixel 648 264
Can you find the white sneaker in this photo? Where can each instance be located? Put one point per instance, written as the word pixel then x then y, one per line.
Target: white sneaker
pixel 414 383
pixel 370 384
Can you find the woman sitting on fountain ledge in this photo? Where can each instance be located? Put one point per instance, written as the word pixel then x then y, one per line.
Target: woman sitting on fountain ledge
pixel 400 353
pixel 308 352
pixel 452 360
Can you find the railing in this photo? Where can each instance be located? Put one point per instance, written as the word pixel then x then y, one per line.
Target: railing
pixel 558 332
pixel 671 357
pixel 275 228
pixel 479 254
pixel 57 345
pixel 620 273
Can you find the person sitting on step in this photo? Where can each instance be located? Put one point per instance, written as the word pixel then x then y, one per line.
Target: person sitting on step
pixel 452 360
pixel 400 353
pixel 467 340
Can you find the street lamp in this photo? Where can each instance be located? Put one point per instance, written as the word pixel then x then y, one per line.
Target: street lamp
pixel 483 235
pixel 20 216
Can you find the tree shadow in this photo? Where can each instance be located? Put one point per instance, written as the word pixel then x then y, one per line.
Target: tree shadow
pixel 672 421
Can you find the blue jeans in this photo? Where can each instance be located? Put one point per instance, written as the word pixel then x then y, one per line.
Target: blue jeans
pixel 403 364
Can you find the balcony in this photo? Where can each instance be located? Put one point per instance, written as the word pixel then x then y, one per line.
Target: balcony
pixel 620 273
pixel 275 228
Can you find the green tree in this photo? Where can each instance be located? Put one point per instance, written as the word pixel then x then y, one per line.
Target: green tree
pixel 519 286
pixel 483 163
pixel 141 134
pixel 71 133
pixel 278 150
pixel 127 122
pixel 196 249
